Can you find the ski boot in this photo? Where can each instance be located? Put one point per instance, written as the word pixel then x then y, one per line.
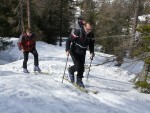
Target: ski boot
pixel 36 68
pixel 25 70
pixel 79 82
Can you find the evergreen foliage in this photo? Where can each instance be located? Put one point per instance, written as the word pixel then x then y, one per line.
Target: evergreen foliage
pixel 7 17
pixel 143 86
pixel 45 18
pixel 143 47
pixel 142 50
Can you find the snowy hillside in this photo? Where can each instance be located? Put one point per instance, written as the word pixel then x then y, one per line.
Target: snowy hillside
pixel 30 93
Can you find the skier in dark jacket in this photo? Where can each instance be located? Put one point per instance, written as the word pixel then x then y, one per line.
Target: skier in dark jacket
pixel 27 45
pixel 76 46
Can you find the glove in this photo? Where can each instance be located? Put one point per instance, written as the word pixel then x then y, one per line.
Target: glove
pixel 20 48
pixel 92 55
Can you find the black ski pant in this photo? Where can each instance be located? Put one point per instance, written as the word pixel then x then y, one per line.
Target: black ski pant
pixel 78 66
pixel 26 54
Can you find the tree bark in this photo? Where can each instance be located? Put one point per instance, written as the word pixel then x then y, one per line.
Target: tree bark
pixel 61 11
pixel 135 20
pixel 21 14
pixel 29 13
pixel 144 73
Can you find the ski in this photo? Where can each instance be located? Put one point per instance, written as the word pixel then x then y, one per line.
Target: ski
pixel 80 88
pixel 45 73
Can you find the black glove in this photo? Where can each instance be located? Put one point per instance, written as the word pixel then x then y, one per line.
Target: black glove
pixel 20 48
pixel 92 55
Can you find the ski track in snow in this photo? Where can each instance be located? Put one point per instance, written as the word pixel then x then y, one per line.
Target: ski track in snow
pixel 30 93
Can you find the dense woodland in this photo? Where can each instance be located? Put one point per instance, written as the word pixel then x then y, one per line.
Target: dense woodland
pixel 52 18
pixel 115 23
pixel 46 18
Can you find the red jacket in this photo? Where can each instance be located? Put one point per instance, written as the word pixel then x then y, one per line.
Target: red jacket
pixel 27 43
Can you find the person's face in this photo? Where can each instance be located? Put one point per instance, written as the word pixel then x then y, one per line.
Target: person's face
pixel 88 28
pixel 28 33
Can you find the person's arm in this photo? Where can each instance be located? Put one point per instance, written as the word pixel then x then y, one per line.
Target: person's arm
pixel 68 43
pixel 33 35
pixel 70 39
pixel 19 44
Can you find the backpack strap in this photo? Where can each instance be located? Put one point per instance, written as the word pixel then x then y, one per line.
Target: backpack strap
pixel 80 32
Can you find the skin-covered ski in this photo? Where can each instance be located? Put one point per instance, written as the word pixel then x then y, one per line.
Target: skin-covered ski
pixel 42 72
pixel 80 88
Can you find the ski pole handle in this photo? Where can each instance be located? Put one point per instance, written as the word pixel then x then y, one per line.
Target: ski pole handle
pixel 65 68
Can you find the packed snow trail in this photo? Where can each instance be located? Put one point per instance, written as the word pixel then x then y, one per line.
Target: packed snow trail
pixel 30 93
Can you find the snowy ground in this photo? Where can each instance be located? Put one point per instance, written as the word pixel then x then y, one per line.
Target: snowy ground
pixel 30 93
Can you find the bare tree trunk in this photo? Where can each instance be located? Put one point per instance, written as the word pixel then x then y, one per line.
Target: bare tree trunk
pixel 135 21
pixel 144 73
pixel 21 11
pixel 146 68
pixel 29 13
pixel 61 11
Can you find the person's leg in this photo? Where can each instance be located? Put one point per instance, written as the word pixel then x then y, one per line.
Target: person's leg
pixel 25 70
pixel 35 54
pixel 80 67
pixel 80 71
pixel 36 60
pixel 73 68
pixel 25 54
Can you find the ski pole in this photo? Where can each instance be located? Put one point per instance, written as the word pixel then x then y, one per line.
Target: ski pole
pixel 65 68
pixel 19 56
pixel 11 49
pixel 89 69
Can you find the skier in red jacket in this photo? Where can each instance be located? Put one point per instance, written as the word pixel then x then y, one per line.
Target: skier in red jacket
pixel 27 45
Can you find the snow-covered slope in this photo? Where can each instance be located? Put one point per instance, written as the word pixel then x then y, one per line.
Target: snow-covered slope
pixel 30 93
